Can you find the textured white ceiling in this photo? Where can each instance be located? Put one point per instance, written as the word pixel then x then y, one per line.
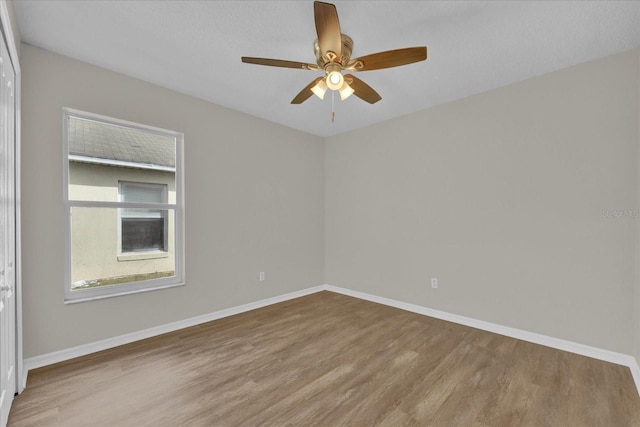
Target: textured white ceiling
pixel 195 47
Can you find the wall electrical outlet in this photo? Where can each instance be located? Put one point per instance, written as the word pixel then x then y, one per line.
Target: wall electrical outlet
pixel 434 283
pixel 261 276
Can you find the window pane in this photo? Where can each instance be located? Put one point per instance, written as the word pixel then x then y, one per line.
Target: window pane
pixel 124 202
pixel 142 193
pixel 102 154
pixel 97 259
pixel 144 234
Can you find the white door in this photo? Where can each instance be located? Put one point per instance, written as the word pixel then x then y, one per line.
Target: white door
pixel 7 236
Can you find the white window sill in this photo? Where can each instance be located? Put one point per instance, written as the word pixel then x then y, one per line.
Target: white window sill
pixel 94 296
pixel 137 256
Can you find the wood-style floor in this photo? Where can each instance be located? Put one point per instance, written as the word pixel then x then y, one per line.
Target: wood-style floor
pixel 329 360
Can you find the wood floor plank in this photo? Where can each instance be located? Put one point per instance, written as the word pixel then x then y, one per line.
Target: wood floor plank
pixel 329 360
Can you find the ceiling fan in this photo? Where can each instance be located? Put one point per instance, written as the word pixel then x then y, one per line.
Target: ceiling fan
pixel 333 55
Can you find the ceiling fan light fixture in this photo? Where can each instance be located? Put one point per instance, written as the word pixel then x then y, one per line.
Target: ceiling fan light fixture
pixel 335 80
pixel 333 50
pixel 319 89
pixel 345 91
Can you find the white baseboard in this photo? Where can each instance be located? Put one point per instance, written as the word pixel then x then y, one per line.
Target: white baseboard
pixel 557 343
pixel 82 350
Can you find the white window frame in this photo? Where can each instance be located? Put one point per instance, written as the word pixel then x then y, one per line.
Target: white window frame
pixel 80 295
pixel 151 253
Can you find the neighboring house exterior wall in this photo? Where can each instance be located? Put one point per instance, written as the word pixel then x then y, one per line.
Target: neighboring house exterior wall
pixel 95 231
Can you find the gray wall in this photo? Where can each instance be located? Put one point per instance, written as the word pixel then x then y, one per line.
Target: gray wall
pixel 254 202
pixel 501 197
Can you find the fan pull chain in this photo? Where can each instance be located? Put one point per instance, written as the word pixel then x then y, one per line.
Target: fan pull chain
pixel 333 110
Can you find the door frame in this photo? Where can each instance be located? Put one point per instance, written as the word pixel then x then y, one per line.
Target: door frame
pixel 6 27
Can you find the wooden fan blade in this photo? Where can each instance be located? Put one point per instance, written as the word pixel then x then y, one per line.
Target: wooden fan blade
pixel 388 59
pixel 362 90
pixel 328 28
pixel 305 93
pixel 279 63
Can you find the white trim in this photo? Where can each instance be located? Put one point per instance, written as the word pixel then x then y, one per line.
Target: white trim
pixel 11 42
pixel 82 350
pixel 99 204
pixel 557 343
pixel 12 46
pixel 120 163
pixel 635 372
pixel 20 370
pixel 573 347
pixel 84 295
pixel 119 122
pixel 560 344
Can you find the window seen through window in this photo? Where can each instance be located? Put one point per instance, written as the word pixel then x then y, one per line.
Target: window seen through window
pixel 143 229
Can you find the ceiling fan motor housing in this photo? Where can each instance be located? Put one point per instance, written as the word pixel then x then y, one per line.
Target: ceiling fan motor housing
pixel 345 55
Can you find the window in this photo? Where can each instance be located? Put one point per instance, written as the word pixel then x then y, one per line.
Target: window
pixel 143 230
pixel 123 195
